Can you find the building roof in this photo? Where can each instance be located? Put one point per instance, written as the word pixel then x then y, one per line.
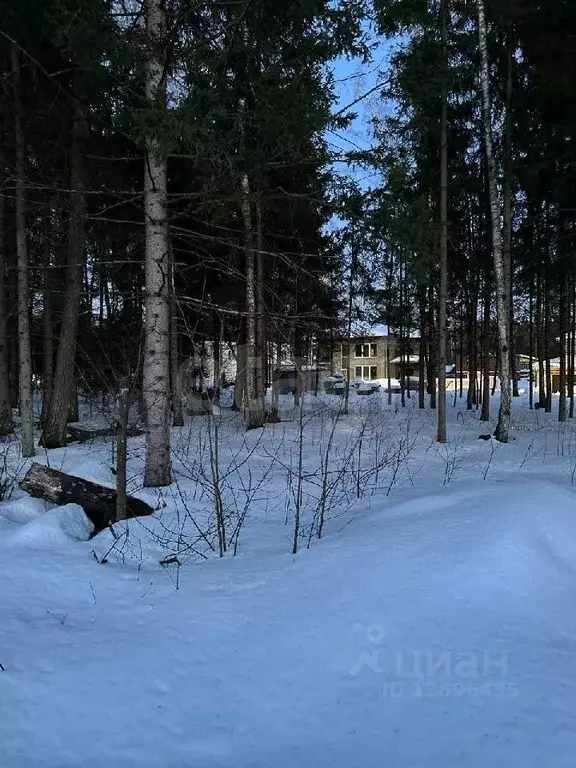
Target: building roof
pixel 406 359
pixel 554 362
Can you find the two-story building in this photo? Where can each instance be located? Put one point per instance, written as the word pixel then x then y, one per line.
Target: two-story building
pixel 371 356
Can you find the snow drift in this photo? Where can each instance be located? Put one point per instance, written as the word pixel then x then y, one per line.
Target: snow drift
pixel 439 631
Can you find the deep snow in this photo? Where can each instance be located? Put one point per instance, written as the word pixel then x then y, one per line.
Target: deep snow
pixel 433 625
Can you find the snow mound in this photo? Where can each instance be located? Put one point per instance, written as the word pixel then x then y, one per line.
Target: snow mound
pixel 434 631
pixel 487 541
pixel 55 527
pixel 22 510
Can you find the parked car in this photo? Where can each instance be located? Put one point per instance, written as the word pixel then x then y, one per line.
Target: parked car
pixel 335 384
pixel 367 387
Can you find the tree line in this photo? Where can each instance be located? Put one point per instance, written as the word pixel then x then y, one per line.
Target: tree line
pixel 474 220
pixel 166 183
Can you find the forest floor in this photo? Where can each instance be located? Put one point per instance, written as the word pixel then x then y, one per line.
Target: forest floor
pixel 433 624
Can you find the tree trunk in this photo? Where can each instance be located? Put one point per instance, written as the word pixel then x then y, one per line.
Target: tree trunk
pixel 432 348
pixel 531 347
pixel 102 279
pixel 501 432
pixel 73 404
pixel 254 406
pixel 121 448
pixel 47 324
pixel 485 412
pixel 260 326
pixel 562 329
pixel 571 349
pixel 349 326
pixel 54 431
pixel 548 369
pixel 299 358
pixel 548 402
pixel 441 436
pixel 175 379
pixel 276 380
pixel 403 369
pixel 422 350
pixel 540 342
pixel 218 339
pixel 14 368
pixel 406 301
pixel 388 371
pixel 6 424
pixel 507 191
pixel 389 283
pixel 471 368
pixel 157 333
pixel 240 380
pixel 461 355
pixel 472 399
pixel 496 364
pixel 24 344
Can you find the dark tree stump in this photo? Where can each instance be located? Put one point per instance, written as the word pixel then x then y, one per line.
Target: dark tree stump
pixel 271 417
pixel 97 501
pixel 200 404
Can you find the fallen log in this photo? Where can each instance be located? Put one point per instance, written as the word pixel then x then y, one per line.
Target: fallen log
pixel 81 433
pixel 97 501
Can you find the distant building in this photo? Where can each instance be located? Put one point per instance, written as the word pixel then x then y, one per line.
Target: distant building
pixel 382 356
pixel 554 372
pixel 368 357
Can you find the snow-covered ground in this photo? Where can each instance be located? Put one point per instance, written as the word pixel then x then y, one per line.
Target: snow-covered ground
pixel 433 624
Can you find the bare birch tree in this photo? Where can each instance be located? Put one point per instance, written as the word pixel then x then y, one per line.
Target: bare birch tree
pixel 503 426
pixel 254 405
pixel 157 304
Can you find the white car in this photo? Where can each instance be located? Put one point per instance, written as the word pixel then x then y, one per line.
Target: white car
pixel 367 387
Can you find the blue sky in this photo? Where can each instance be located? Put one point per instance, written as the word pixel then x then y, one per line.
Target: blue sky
pixel 353 79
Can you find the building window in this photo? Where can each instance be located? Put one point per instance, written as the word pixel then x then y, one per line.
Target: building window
pixel 366 372
pixel 366 350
